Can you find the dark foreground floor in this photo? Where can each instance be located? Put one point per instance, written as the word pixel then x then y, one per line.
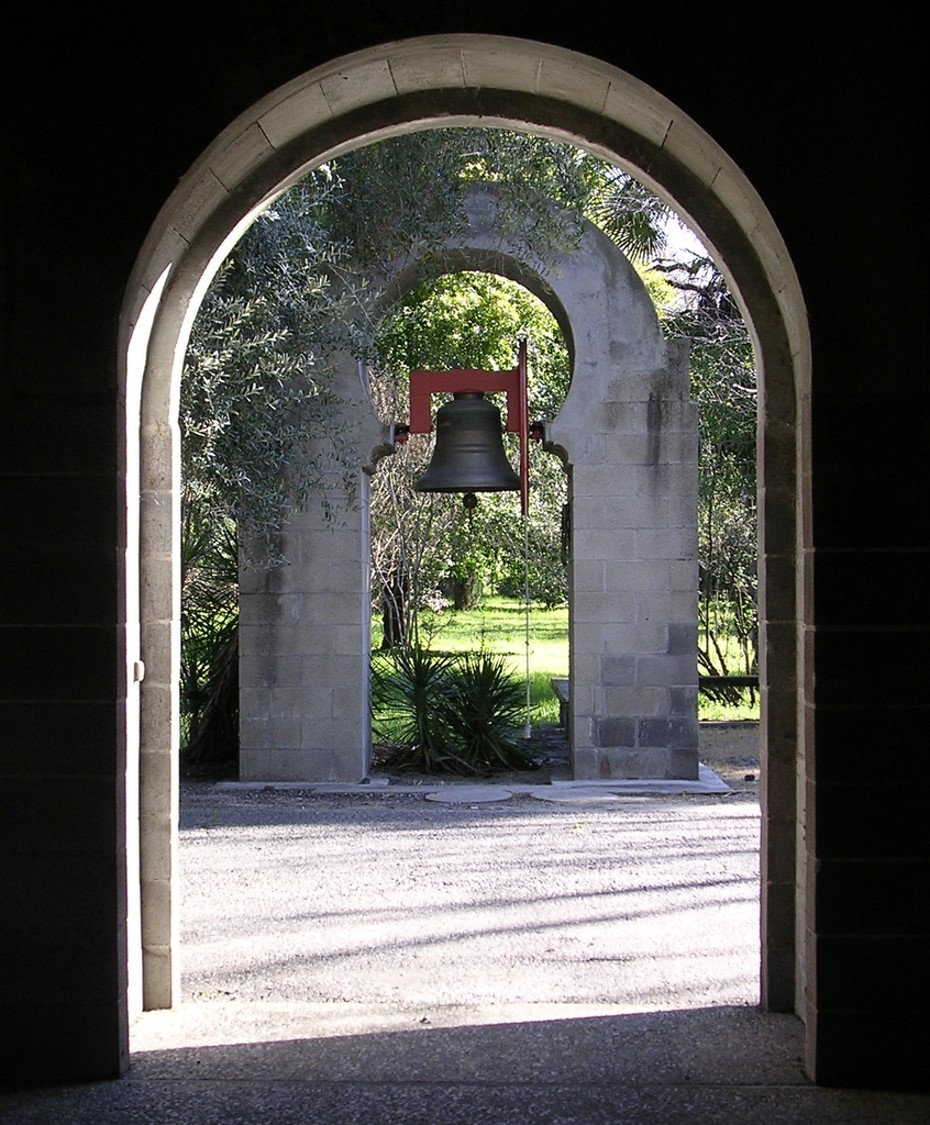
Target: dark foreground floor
pixel 731 1065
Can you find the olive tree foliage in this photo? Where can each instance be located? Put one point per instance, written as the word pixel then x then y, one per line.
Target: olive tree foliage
pixel 256 382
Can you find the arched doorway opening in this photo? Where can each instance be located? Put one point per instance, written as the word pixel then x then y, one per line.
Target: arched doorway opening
pixel 377 93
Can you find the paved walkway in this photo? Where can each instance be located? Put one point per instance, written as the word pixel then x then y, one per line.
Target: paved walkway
pixel 296 1064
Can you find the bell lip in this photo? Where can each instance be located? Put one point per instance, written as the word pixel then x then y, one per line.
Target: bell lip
pixel 470 488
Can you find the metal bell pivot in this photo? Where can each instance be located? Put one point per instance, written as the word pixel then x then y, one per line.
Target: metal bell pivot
pixel 469 454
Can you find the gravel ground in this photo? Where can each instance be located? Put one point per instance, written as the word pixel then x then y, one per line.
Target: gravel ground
pixel 641 903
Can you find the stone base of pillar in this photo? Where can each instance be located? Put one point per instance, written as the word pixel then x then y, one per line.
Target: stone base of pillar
pixel 635 763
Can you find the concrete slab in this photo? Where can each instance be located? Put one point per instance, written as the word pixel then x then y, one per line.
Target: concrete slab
pixel 583 795
pixel 469 794
pixel 707 782
pixel 462 791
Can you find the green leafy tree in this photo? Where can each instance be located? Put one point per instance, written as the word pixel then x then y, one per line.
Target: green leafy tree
pixel 257 379
pixel 723 383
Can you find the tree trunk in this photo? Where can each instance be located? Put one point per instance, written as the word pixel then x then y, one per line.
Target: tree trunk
pixel 466 592
pixel 394 613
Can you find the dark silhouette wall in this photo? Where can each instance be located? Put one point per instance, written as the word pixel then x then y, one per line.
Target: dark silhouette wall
pixel 102 116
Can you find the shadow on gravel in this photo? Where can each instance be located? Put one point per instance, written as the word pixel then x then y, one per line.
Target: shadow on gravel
pixel 203 805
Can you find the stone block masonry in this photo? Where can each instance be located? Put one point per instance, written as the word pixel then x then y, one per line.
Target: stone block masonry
pixel 627 435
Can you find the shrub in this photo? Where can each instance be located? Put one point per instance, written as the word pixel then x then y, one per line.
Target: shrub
pixel 407 687
pixel 439 713
pixel 481 711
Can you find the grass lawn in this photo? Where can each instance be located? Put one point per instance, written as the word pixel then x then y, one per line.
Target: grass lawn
pixel 711 711
pixel 499 625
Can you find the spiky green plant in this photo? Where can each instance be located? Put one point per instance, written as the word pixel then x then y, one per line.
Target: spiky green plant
pixel 439 713
pixel 482 712
pixel 407 690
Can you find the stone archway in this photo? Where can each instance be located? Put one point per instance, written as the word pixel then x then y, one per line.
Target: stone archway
pixel 627 435
pixel 462 79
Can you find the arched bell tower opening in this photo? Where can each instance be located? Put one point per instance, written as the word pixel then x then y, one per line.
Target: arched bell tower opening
pixel 378 93
pixel 627 435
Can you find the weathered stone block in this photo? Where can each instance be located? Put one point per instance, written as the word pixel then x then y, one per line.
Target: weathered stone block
pixel 293 702
pixel 674 733
pixel 636 636
pixel 616 731
pixel 347 700
pixel 263 670
pixel 653 702
pixel 682 638
pixel 618 671
pixel 584 762
pixel 638 576
pixel 682 579
pixel 683 701
pixel 254 763
pixel 352 760
pixel 588 576
pixel 254 701
pixel 285 731
pixel 629 764
pixel 665 543
pixel 683 764
pixel 303 764
pixel 254 732
pixel 669 670
pixel 588 608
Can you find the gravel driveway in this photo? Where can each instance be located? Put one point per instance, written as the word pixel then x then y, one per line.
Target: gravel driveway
pixel 639 903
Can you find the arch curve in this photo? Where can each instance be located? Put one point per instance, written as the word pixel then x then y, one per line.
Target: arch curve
pixel 462 259
pixel 413 84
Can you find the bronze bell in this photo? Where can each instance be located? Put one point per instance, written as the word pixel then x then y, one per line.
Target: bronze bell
pixel 469 454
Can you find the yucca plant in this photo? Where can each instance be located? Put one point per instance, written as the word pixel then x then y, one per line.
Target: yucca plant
pixel 408 687
pixel 482 713
pixel 438 713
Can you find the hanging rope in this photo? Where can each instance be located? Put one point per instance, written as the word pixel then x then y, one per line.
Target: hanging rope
pixel 528 728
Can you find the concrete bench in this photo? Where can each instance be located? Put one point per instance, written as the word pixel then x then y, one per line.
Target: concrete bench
pixel 560 687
